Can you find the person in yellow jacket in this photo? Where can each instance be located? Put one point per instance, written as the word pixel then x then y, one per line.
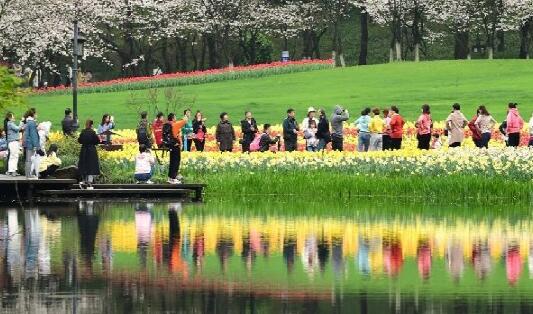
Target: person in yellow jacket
pixel 376 127
pixel 50 163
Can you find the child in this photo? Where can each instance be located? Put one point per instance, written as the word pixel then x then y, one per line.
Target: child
pixel 266 140
pixel 143 165
pixel 310 137
pixel 50 163
pixel 3 145
pixel 437 144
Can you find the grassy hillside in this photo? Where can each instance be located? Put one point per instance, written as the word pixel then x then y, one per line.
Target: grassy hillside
pixel 409 85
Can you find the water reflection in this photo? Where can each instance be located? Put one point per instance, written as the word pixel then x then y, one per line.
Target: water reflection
pixel 128 256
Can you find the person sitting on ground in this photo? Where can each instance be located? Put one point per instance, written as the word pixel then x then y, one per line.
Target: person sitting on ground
pixel 225 134
pixel 144 163
pixel 88 164
pixel 143 131
pixel 157 128
pixel 311 141
pixel 437 143
pixel 50 163
pixel 69 124
pixel 455 124
pixel 266 141
pixel 3 145
pixel 105 129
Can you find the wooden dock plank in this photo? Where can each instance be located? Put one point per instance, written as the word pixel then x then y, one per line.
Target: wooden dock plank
pixel 116 191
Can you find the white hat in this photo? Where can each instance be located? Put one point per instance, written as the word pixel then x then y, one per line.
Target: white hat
pixel 311 109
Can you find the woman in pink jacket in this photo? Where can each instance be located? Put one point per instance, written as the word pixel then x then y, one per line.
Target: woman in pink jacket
pixel 515 123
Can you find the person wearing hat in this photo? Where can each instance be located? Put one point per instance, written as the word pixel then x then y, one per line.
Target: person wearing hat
pixel 310 117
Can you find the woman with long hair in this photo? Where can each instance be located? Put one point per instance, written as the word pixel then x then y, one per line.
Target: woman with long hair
pixel 199 130
pixel 104 130
pixel 484 124
pixel 88 164
pixel 423 128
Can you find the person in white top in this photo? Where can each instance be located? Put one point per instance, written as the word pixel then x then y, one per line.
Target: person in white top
pixel 485 124
pixel 310 116
pixel 144 163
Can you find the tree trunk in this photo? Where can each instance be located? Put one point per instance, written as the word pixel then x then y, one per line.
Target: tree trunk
pixel 181 53
pixel 166 56
pixel 341 60
pixel 490 52
pixel 462 49
pixel 398 49
pixel 417 52
pixel 212 53
pixel 501 40
pixel 194 53
pixel 307 50
pixel 204 51
pixel 363 52
pixel 391 55
pixel 253 48
pixel 524 39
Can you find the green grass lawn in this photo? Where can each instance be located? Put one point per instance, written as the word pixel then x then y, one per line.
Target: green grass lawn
pixel 409 85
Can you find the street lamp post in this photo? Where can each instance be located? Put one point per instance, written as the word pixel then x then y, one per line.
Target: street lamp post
pixel 77 43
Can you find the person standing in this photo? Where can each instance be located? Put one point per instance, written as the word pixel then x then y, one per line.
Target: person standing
pixel 88 164
pixel 515 123
pixel 266 140
pixel 476 135
pixel 13 143
pixel 337 128
pixel 310 117
pixel 68 124
pixel 172 140
pixel 423 128
pixel 396 128
pixel 225 134
pixel 144 132
pixel 157 129
pixel 484 125
pixel 323 134
pixel 105 129
pixel 311 141
pixel 290 131
pixel 31 145
pixel 187 131
pixel 362 123
pixel 386 130
pixel 199 130
pixel 376 128
pixel 249 129
pixel 531 131
pixel 455 124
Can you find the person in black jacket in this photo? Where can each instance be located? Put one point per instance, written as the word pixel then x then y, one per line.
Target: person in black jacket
pixel 200 131
pixel 225 134
pixel 88 165
pixel 249 129
pixel 69 124
pixel 290 131
pixel 323 134
pixel 266 140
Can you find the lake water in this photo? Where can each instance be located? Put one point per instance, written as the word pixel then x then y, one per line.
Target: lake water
pixel 260 256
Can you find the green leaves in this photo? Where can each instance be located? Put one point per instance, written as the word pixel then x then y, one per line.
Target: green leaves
pixel 10 93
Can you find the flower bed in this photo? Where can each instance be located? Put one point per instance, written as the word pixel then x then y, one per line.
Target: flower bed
pixel 193 78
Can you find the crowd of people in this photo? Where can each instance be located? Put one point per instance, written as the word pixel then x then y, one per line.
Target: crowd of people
pixel 377 129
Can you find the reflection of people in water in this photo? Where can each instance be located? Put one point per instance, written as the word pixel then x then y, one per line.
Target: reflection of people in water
pixel 32 236
pixel 251 244
pixel 323 253
pixel 198 251
pixel 143 226
pixel 337 256
pixel 481 258
pixel 289 251
pixel 513 262
pixel 176 264
pixel 363 256
pixel 15 257
pixel 392 255
pixel 310 254
pixel 424 258
pixel 455 259
pixel 224 250
pixel 88 223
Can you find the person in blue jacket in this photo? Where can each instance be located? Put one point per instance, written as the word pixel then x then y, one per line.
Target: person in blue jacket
pixel 31 145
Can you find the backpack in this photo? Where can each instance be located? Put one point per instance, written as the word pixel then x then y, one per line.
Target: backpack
pixel 168 139
pixel 142 134
pixel 254 145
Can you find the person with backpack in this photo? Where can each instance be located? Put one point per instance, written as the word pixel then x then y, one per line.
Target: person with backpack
pixel 249 130
pixel 144 132
pixel 337 128
pixel 290 131
pixel 515 123
pixel 157 129
pixel 323 134
pixel 265 141
pixel 187 131
pixel 172 141
pixel 199 130
pixel 225 134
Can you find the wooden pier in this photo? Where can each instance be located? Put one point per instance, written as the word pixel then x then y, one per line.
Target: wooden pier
pixel 21 189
